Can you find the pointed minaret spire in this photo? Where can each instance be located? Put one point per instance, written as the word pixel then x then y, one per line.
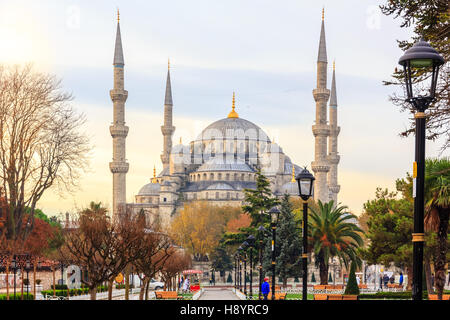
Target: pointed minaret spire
pixel 168 99
pixel 118 52
pixel 167 128
pixel 333 99
pixel 322 56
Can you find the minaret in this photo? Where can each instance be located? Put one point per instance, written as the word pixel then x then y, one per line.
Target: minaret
pixel 118 130
pixel 321 129
pixel 167 129
pixel 333 157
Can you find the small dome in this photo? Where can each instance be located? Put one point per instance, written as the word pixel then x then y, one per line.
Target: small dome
pixel 150 189
pixel 217 164
pixel 291 188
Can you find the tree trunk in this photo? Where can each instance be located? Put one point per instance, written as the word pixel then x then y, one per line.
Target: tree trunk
pixel 93 293
pixel 110 288
pixel 428 275
pixel 127 283
pixel 323 271
pixel 141 293
pixel 409 272
pixel 439 268
pixel 7 281
pixel 146 289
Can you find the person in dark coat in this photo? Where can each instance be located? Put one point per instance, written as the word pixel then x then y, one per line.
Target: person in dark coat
pixel 401 279
pixel 265 288
pixel 385 280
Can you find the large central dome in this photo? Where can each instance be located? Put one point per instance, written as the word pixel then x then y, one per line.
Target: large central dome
pixel 230 128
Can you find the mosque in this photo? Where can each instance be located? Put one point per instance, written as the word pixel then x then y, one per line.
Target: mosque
pixel 224 158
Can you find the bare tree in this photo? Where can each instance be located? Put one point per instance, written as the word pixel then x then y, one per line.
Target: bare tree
pixel 151 256
pixel 101 247
pixel 176 262
pixel 41 145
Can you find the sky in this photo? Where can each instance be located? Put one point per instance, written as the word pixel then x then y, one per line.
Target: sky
pixel 265 51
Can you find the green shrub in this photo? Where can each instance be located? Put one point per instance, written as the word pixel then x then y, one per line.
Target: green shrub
pixel 352 285
pixel 122 286
pixel 229 279
pixel 28 296
pixel 313 278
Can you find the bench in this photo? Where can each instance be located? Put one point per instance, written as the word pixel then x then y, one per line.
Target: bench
pixel 319 287
pixel 362 286
pixel 395 286
pixel 334 287
pixel 168 295
pixel 335 297
pixel 278 296
pixel 435 297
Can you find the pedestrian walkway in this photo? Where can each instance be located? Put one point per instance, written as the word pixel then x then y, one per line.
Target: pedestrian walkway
pixel 218 294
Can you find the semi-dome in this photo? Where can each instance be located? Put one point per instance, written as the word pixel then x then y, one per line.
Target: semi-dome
pixel 218 164
pixel 150 189
pixel 229 128
pixel 220 186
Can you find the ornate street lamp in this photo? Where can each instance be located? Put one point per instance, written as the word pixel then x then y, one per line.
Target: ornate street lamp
pixel 14 267
pixel 423 58
pixel 261 232
pixel 305 182
pixel 274 214
pixel 251 243
pixel 27 268
pixel 235 270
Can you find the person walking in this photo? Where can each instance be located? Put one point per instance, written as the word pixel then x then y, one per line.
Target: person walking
pixel 385 280
pixel 265 288
pixel 400 281
pixel 392 279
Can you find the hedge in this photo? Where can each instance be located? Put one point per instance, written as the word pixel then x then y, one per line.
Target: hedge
pixel 404 295
pixel 72 292
pixel 122 286
pixel 28 296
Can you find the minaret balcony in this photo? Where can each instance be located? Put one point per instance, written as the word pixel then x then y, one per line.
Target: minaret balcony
pixel 321 130
pixel 320 166
pixel 334 188
pixel 118 130
pixel 166 130
pixel 118 95
pixel 321 94
pixel 119 167
pixel 333 158
pixel 334 131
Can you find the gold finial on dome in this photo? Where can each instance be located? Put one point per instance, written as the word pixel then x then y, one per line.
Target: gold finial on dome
pixel 334 65
pixel 154 180
pixel 293 174
pixel 233 114
pixel 323 14
pixel 168 64
pixel 118 15
pixel 181 142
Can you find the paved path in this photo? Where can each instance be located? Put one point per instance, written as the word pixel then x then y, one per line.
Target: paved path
pixel 218 294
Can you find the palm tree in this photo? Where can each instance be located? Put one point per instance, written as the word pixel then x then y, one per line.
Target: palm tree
pixel 437 188
pixel 333 235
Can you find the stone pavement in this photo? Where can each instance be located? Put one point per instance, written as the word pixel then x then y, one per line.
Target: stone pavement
pixel 218 294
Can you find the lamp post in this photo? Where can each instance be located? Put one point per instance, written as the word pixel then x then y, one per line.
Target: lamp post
pixel 27 268
pixel 421 57
pixel 305 182
pixel 245 246
pixel 235 271
pixel 261 231
pixel 240 249
pixel 251 243
pixel 274 213
pixel 14 267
